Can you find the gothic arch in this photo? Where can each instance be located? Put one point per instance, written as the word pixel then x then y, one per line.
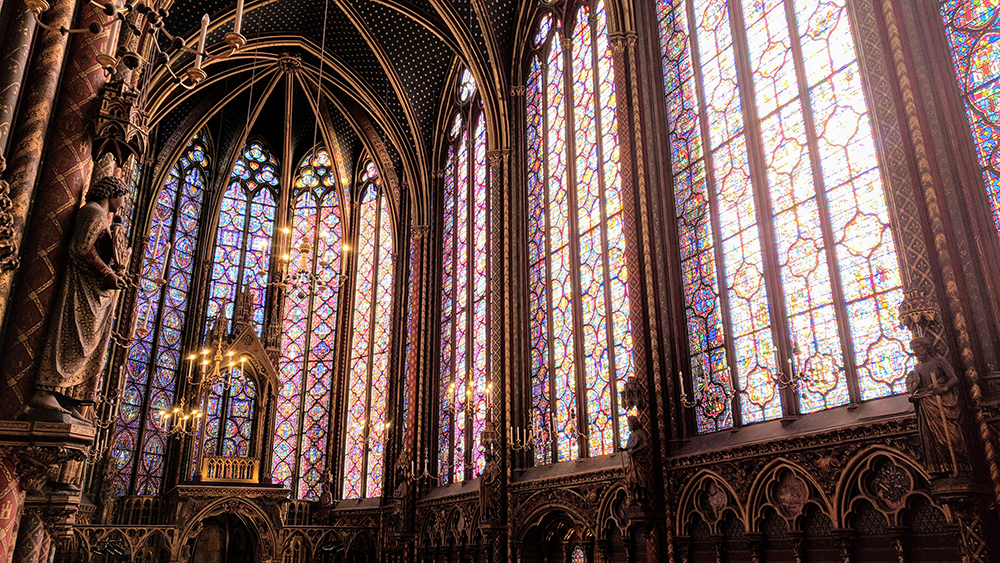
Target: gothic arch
pixel 544 514
pixel 709 496
pixel 787 488
pixel 257 520
pixel 887 478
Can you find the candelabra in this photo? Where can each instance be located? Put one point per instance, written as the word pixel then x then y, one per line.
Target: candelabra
pixel 453 409
pixel 155 15
pixel 303 280
pixel 697 401
pixel 181 420
pixel 793 378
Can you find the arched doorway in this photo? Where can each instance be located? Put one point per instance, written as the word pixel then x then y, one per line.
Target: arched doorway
pixel 226 538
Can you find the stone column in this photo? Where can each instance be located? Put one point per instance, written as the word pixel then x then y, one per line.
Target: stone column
pixel 33 541
pixel 23 158
pixel 64 180
pixel 11 500
pixel 13 63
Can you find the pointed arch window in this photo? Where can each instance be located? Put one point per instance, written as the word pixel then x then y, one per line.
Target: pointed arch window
pixel 973 31
pixel 463 291
pixel 309 326
pixel 581 350
pixel 368 368
pixel 153 360
pixel 789 268
pixel 243 241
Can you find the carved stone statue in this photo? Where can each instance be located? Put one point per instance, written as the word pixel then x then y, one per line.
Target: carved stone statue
pixel 77 345
pixel 326 486
pixel 489 490
pixel 933 388
pixel 639 463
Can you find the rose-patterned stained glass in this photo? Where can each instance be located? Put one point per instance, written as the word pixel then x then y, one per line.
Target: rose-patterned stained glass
pixel 464 300
pixel 368 369
pixel 833 248
pixel 973 31
pixel 153 360
pixel 241 258
pixel 309 327
pixel 577 271
pixel 231 412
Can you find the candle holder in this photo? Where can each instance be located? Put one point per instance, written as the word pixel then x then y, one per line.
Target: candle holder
pixel 195 76
pixel 236 41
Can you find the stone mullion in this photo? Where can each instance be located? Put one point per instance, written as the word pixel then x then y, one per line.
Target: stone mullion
pixel 917 311
pixel 34 112
pixel 60 189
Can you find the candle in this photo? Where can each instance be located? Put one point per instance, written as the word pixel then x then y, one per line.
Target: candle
pixel 238 23
pixel 201 41
pixel 112 46
pixel 166 259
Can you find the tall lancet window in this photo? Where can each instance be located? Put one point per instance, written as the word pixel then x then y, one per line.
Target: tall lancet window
pixel 973 30
pixel 308 339
pixel 463 291
pixel 581 350
pixel 789 268
pixel 154 358
pixel 368 367
pixel 243 242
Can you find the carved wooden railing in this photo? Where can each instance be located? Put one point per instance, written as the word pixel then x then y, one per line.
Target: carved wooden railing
pixel 139 510
pixel 298 513
pixel 217 469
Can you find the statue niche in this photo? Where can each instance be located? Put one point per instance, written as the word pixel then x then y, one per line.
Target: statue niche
pixel 77 345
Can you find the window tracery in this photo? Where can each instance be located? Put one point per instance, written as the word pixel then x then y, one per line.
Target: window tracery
pixel 366 427
pixel 463 292
pixel 313 272
pixel 578 297
pixel 973 31
pixel 789 268
pixel 153 360
pixel 243 243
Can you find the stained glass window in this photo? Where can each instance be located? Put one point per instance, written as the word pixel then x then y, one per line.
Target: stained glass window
pixel 367 429
pixel 308 336
pixel 153 359
pixel 231 412
pixel 243 243
pixel 463 293
pixel 789 269
pixel 973 30
pixel 580 341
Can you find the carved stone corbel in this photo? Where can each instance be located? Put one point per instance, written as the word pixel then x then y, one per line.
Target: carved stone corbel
pixel 36 465
pixel 919 313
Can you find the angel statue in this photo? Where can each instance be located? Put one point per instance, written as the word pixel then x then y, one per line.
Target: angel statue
pixel 77 344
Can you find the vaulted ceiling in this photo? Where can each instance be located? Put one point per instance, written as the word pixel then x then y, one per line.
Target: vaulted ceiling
pixel 385 67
